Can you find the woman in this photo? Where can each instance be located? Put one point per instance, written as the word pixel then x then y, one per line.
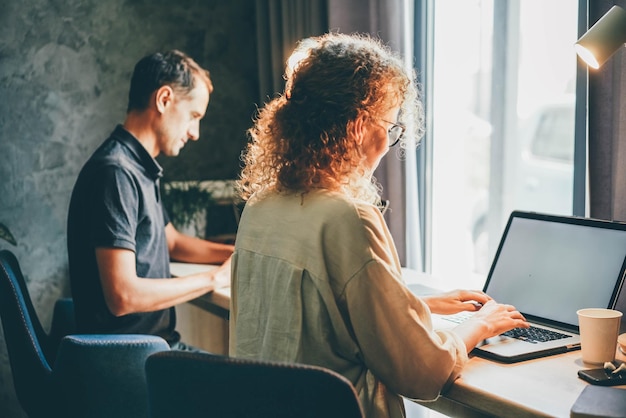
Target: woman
pixel 316 278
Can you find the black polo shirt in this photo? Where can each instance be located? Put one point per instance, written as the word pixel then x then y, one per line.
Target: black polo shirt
pixel 116 203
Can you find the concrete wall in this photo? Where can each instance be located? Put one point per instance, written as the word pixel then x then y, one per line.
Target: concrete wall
pixel 65 66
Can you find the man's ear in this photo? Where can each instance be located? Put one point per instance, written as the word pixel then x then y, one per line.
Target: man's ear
pixel 163 97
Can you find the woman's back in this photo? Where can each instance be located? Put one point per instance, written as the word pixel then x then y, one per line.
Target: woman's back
pixel 302 271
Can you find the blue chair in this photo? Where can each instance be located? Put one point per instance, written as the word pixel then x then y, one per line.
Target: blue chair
pixel 104 375
pixel 63 323
pixel 28 345
pixel 184 384
pixel 44 391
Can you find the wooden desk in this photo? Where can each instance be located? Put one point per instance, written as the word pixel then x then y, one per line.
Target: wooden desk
pixel 545 387
pixel 536 388
pixel 216 302
pixel 203 322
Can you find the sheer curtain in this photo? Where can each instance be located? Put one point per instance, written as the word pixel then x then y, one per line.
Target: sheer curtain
pixel 391 21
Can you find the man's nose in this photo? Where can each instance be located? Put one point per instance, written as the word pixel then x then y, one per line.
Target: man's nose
pixel 194 133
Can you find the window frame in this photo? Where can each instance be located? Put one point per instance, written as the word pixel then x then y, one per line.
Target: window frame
pixel 423 54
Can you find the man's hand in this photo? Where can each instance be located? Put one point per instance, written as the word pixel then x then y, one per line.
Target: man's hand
pixel 221 275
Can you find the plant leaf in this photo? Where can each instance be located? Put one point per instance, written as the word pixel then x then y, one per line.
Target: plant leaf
pixel 6 235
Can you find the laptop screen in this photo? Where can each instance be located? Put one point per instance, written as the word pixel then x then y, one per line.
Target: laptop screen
pixel 549 267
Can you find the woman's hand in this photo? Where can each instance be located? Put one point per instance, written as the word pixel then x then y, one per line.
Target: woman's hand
pixel 456 301
pixel 490 320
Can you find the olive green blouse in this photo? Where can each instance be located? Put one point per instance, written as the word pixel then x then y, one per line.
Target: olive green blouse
pixel 316 279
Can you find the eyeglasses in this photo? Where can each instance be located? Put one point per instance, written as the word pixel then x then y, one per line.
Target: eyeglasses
pixel 395 132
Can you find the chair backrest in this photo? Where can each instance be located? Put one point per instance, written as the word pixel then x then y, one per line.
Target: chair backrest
pixel 104 375
pixel 26 340
pixel 93 375
pixel 208 385
pixel 63 323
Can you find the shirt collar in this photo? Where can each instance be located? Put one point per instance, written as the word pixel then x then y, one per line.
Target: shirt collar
pixel 151 166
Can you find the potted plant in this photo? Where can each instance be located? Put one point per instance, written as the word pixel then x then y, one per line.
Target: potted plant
pixel 186 203
pixel 6 235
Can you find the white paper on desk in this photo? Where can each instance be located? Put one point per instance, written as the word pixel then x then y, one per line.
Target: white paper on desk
pixel 185 269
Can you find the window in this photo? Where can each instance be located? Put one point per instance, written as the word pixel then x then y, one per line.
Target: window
pixel 500 90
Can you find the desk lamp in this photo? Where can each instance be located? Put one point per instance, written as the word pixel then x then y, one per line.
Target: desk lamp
pixel 603 39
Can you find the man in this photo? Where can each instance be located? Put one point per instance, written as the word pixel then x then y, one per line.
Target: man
pixel 120 239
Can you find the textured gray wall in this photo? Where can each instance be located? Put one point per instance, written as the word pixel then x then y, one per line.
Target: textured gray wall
pixel 64 72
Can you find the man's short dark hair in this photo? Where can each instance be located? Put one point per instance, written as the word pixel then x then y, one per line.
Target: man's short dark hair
pixel 173 68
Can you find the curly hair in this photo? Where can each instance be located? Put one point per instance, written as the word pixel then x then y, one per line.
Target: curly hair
pixel 300 140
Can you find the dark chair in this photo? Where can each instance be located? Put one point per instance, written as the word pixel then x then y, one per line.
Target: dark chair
pixel 28 345
pixel 63 323
pixel 207 385
pixel 43 391
pixel 104 375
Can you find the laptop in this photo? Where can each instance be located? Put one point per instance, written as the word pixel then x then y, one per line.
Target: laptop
pixel 548 267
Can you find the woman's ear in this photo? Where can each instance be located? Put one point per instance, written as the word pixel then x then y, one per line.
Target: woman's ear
pixel 356 128
pixel 163 97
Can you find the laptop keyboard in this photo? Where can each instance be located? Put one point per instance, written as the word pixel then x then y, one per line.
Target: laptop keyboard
pixel 532 335
pixel 535 334
pixel 457 318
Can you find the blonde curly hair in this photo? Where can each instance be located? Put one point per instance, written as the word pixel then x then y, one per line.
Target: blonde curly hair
pixel 300 140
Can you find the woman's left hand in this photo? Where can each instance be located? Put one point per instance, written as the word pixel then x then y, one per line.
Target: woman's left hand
pixel 456 301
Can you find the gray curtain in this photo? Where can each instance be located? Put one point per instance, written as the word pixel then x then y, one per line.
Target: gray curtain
pixel 607 130
pixel 607 136
pixel 280 25
pixel 382 18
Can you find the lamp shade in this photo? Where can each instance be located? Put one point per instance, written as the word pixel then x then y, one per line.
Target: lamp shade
pixel 604 38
